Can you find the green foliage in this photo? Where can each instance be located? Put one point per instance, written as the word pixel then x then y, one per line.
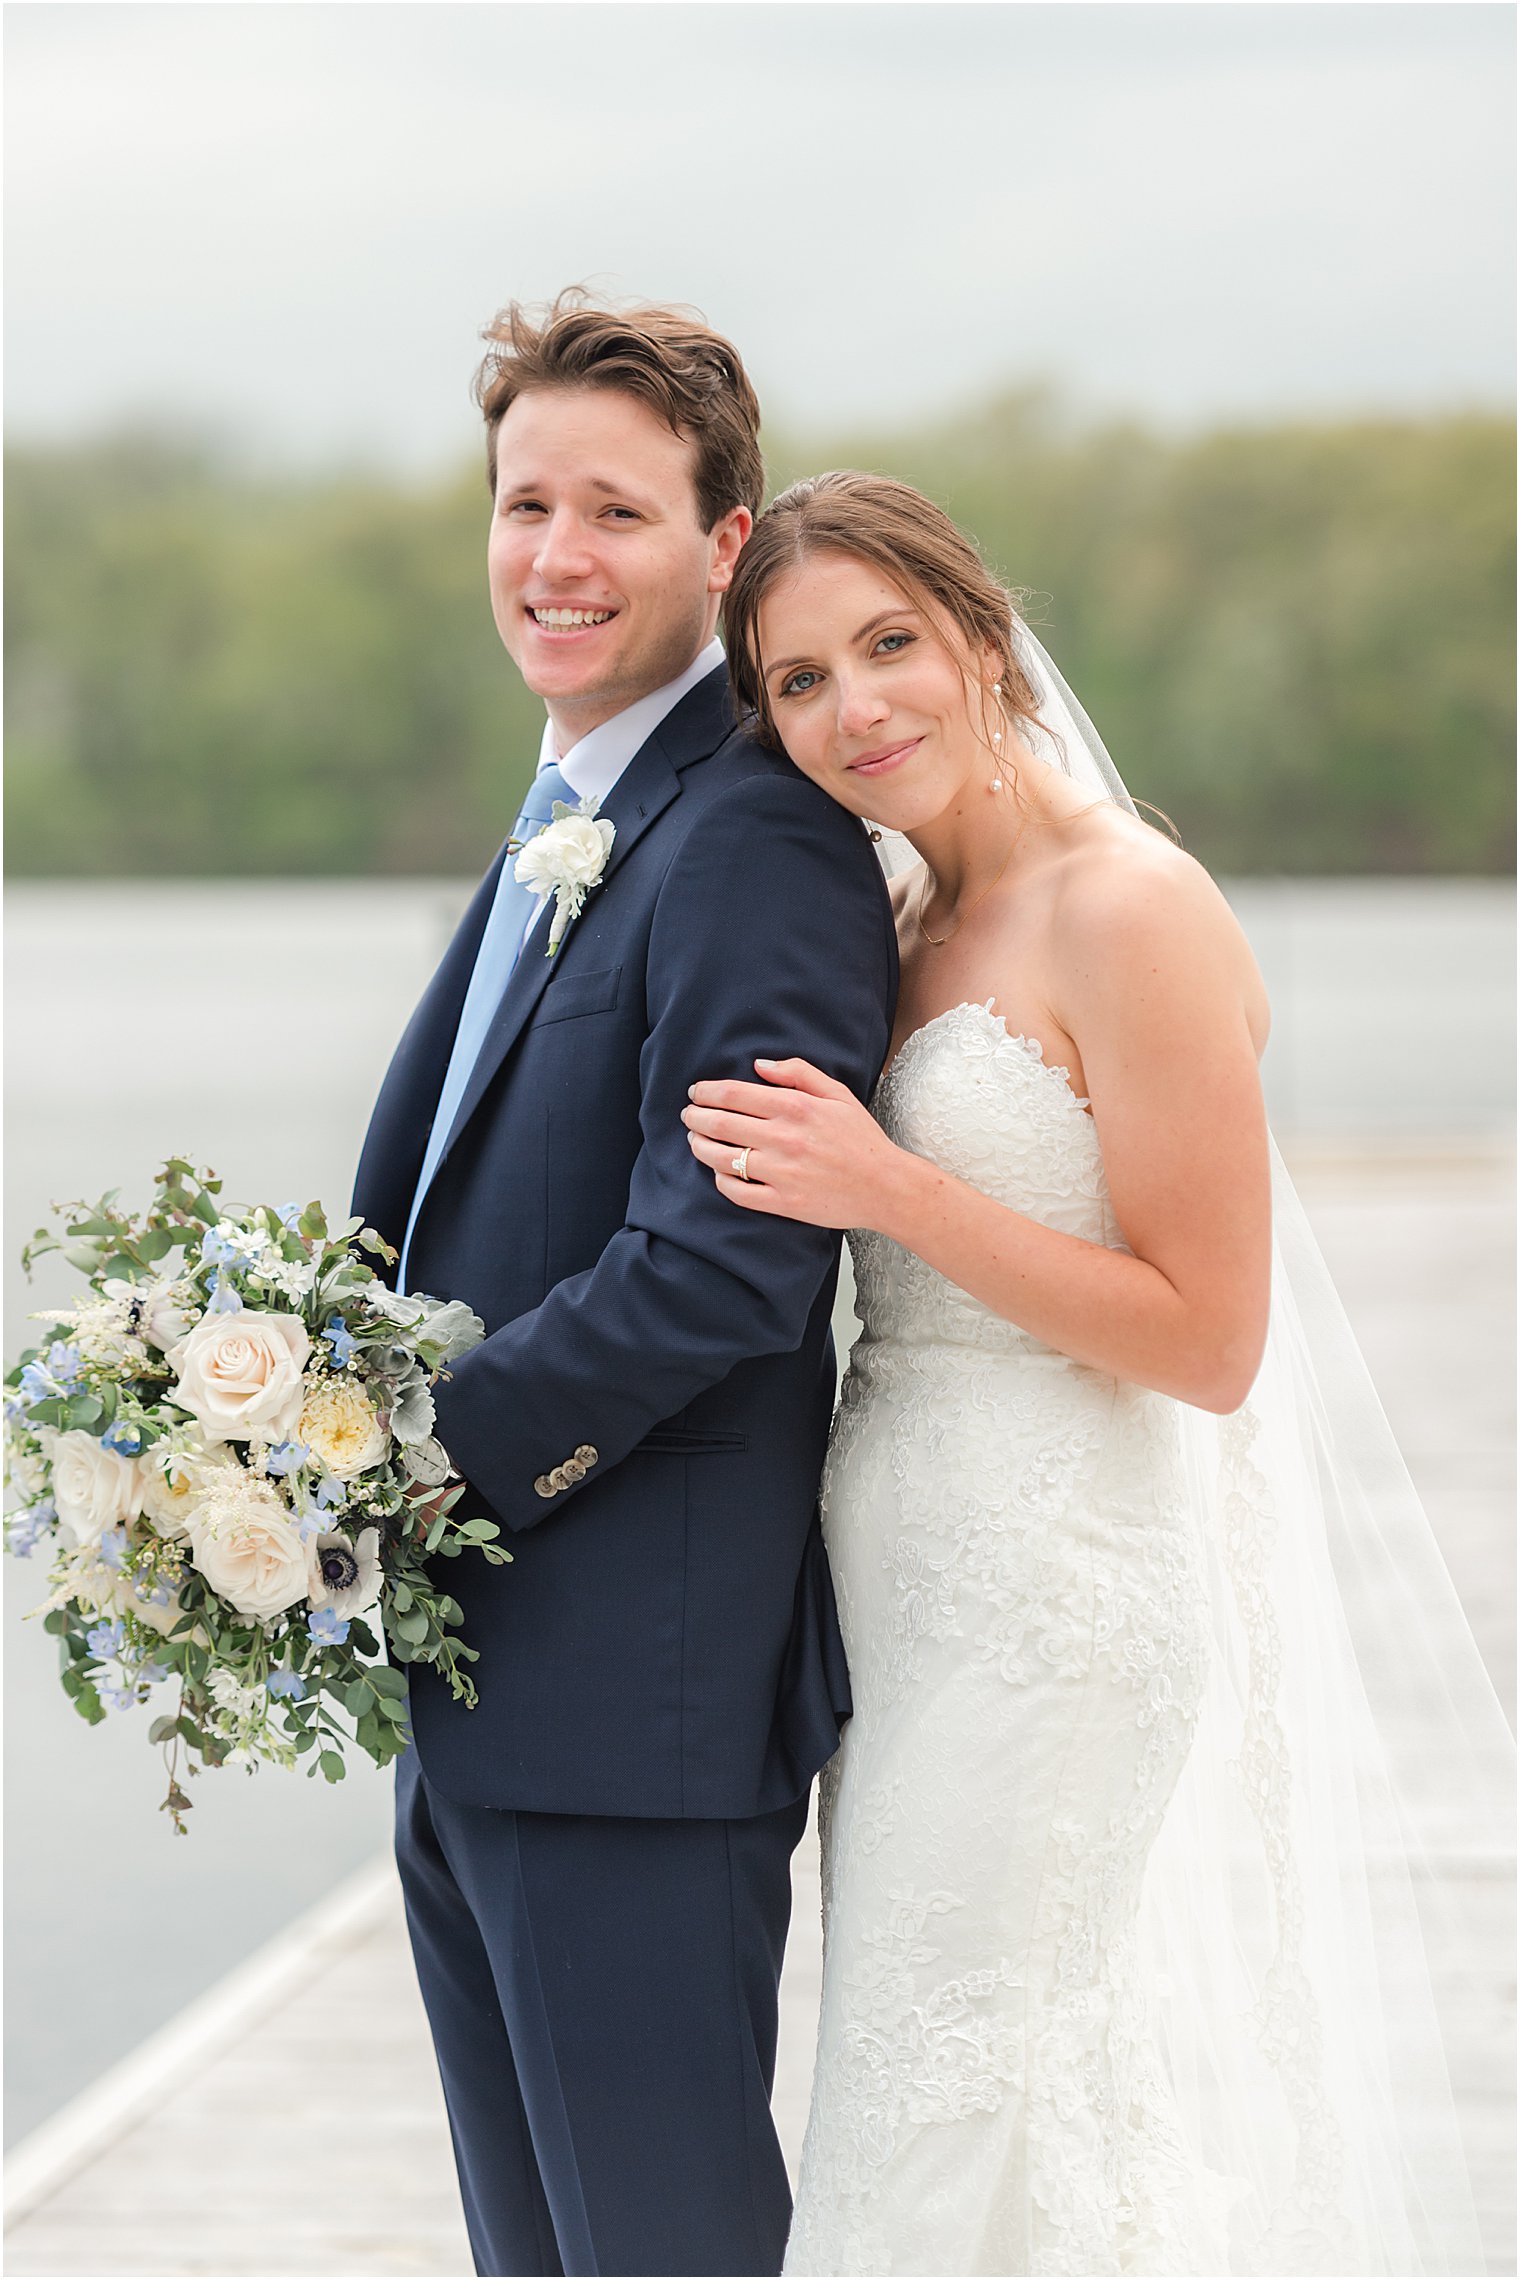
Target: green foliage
pixel 1299 642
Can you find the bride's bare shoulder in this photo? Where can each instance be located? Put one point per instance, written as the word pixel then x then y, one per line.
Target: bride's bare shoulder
pixel 1128 898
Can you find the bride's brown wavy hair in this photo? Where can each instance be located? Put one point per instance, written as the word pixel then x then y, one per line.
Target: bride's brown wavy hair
pixel 909 540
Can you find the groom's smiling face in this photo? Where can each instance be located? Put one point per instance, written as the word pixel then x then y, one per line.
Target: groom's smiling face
pixel 604 585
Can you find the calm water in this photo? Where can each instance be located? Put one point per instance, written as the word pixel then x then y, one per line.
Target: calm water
pixel 247 1026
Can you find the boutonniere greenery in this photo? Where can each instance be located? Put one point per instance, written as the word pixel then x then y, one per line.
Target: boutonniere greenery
pixel 567 860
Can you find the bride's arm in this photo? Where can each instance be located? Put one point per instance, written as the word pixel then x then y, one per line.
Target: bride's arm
pixel 1157 984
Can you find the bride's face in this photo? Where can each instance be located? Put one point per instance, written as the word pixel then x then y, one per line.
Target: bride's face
pixel 868 696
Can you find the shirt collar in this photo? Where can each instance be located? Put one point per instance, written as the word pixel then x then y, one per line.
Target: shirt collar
pixel 593 765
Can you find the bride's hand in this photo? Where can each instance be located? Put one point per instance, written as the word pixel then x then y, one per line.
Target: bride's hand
pixel 815 1153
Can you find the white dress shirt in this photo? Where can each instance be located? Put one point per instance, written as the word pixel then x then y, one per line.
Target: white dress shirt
pixel 594 763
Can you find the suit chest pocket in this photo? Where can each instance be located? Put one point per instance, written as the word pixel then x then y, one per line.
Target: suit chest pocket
pixel 570 995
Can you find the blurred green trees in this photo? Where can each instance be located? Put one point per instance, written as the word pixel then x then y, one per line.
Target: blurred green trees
pixel 1298 641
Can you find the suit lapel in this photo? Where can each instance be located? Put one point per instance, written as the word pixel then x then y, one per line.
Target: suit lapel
pixel 696 727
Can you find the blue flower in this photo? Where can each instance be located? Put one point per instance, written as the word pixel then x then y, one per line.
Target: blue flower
pixel 288 1684
pixel 224 1299
pixel 113 1548
pixel 25 1530
pixel 125 1439
pixel 286 1457
pixel 328 1629
pixel 107 1639
pixel 220 1249
pixel 50 1376
pixel 311 1514
pixel 288 1214
pixel 65 1361
pixel 341 1343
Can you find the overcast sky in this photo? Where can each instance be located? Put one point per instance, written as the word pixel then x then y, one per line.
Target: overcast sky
pixel 285 223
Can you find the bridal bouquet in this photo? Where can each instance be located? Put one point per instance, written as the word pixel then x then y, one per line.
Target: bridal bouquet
pixel 227 1450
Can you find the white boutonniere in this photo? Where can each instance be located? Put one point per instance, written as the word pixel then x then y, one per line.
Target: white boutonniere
pixel 567 860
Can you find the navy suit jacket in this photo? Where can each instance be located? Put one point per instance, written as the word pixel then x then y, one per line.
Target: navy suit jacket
pixel 665 1641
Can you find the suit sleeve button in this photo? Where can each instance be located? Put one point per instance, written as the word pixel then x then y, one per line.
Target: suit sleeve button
pixel 544 1485
pixel 585 1455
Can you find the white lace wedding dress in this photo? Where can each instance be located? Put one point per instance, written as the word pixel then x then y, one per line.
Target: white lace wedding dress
pixel 1023 1601
pixel 1154 1851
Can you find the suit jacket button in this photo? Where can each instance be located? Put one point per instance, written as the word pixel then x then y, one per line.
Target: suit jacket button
pixel 544 1485
pixel 560 1478
pixel 585 1454
pixel 573 1469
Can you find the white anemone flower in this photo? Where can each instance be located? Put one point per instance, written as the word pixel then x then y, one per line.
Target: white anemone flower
pixel 344 1575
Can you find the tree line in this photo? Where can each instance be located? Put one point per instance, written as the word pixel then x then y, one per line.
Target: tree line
pixel 1298 641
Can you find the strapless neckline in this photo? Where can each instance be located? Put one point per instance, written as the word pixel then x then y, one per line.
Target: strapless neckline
pixel 1030 1046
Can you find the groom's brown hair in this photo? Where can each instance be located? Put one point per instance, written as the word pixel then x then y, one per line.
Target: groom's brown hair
pixel 669 358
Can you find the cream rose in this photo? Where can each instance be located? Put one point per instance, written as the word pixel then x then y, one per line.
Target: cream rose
pixel 93 1488
pixel 240 1374
pixel 339 1425
pixel 246 1545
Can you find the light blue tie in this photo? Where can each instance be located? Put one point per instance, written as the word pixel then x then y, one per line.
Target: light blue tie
pixel 494 960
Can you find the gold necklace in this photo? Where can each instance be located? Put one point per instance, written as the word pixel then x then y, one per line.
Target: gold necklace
pixel 939 940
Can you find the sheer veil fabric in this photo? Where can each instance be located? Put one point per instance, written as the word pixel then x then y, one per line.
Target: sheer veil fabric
pixel 1309 1917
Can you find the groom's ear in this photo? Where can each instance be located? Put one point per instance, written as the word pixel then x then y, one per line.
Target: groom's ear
pixel 728 535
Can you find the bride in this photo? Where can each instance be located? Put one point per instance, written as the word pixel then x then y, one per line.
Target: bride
pixel 1133 1861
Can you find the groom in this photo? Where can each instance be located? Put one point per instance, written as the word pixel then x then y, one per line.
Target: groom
pixel 596 1860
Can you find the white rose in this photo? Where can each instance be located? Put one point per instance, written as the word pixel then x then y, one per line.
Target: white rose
pixel 240 1374
pixel 247 1547
pixel 570 853
pixel 28 1476
pixel 93 1487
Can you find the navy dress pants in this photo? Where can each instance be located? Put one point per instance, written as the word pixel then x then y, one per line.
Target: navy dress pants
pixel 602 1997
